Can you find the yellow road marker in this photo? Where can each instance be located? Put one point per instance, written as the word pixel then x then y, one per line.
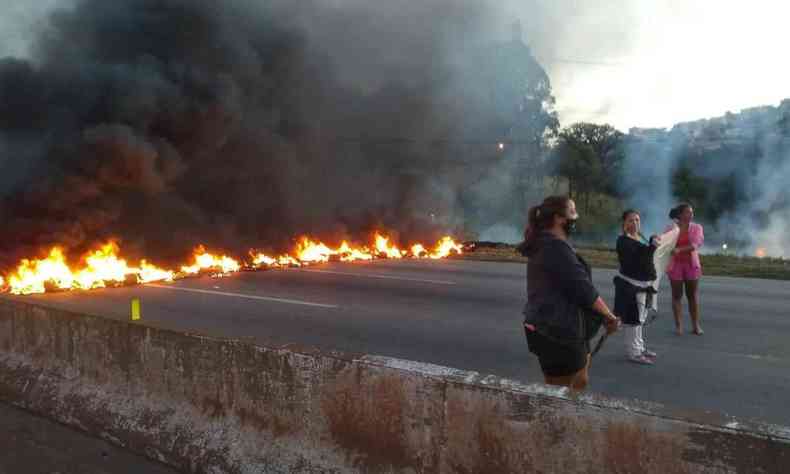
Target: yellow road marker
pixel 135 309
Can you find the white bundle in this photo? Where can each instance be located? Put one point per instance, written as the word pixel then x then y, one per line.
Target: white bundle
pixel 668 240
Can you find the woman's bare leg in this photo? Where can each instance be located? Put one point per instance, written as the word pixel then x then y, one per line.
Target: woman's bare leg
pixel 559 380
pixel 677 304
pixel 576 382
pixel 582 377
pixel 692 287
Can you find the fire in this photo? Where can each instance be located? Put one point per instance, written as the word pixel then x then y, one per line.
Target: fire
pixel 760 253
pixel 445 247
pixel 149 273
pixel 101 268
pixel 262 260
pixel 32 276
pixel 308 251
pixel 205 261
pixel 349 254
pixel 104 266
pixel 288 261
pixel 384 248
pixel 418 251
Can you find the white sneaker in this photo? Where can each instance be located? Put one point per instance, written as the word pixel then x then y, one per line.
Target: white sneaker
pixel 650 354
pixel 641 359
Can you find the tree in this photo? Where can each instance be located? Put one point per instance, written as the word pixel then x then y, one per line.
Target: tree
pixel 590 157
pixel 506 97
pixel 522 95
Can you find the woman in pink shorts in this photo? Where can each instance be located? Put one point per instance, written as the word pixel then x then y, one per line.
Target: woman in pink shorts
pixel 685 269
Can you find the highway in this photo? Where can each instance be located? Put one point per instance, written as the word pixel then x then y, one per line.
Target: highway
pixel 467 315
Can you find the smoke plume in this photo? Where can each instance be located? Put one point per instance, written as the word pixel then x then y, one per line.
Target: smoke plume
pixel 732 169
pixel 171 123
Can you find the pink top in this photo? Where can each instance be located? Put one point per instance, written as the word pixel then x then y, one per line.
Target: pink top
pixel 683 241
pixel 694 237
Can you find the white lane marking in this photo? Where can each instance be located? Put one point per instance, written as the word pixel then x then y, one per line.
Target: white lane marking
pixel 385 277
pixel 758 357
pixel 239 295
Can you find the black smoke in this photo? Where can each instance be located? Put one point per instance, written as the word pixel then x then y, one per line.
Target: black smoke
pixel 171 123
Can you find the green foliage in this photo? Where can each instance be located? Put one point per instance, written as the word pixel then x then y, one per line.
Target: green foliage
pixel 590 157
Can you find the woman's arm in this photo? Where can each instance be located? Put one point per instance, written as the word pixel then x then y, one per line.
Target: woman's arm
pixel 612 321
pixel 568 271
pixel 696 239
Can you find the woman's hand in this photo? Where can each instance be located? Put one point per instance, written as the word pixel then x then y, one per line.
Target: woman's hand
pixel 612 324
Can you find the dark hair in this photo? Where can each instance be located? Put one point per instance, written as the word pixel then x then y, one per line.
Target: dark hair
pixel 542 217
pixel 676 211
pixel 627 213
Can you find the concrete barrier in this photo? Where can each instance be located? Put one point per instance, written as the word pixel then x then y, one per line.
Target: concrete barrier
pixel 214 405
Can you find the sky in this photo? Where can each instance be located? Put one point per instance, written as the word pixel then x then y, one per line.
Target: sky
pixel 661 61
pixel 639 63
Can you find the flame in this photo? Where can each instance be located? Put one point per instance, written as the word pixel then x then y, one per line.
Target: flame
pixel 288 261
pixel 32 276
pixel 262 260
pixel 205 261
pixel 101 268
pixel 418 251
pixel 308 251
pixel 384 248
pixel 445 247
pixel 149 273
pixel 761 252
pixel 349 254
pixel 104 267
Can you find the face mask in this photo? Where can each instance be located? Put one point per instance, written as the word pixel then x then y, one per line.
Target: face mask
pixel 570 226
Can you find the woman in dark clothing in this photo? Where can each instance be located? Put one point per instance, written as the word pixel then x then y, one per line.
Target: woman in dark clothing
pixel 634 286
pixel 561 298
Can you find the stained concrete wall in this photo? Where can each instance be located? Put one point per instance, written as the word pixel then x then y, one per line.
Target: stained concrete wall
pixel 212 405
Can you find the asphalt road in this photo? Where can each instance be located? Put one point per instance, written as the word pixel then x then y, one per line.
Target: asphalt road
pixel 34 445
pixel 467 315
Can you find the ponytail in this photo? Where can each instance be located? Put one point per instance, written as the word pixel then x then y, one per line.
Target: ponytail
pixel 541 217
pixel 676 211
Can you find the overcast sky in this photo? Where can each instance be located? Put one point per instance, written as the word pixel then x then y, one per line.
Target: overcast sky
pixel 654 62
pixel 662 61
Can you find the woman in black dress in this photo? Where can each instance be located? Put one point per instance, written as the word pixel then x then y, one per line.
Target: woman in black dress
pixel 561 299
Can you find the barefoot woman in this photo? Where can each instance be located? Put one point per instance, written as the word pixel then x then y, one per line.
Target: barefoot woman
pixel 685 268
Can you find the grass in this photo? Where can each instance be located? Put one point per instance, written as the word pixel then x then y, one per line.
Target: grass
pixel 598 257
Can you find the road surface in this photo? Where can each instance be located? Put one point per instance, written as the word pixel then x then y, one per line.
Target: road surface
pixel 33 445
pixel 467 315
